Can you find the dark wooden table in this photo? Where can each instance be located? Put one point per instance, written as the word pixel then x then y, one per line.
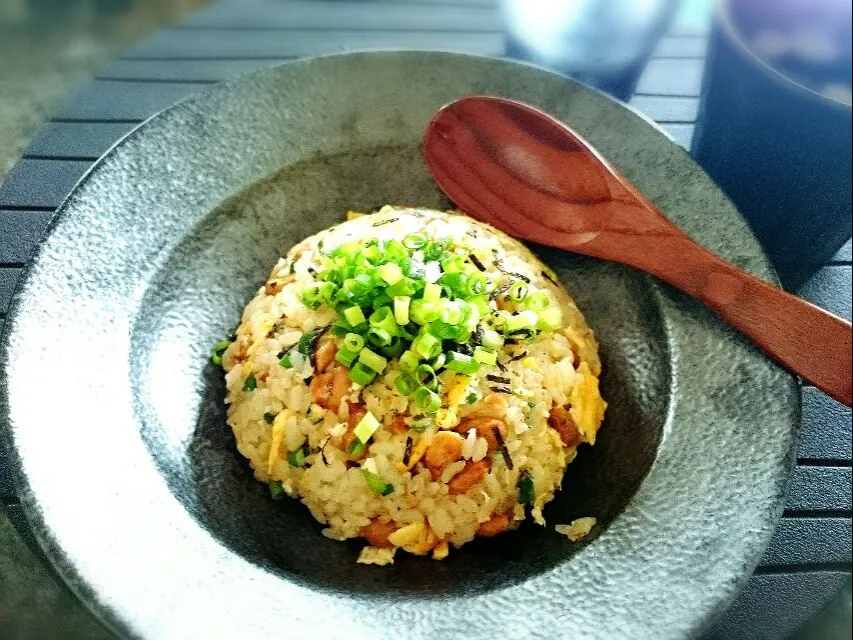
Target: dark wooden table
pixel 809 559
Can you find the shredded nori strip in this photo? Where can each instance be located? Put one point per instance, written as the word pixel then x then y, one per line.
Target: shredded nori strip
pixel 502 447
pixel 323 451
pixel 307 345
pixel 501 390
pixel 408 452
pixel 381 222
pixel 312 271
pixel 501 289
pixel 501 379
pixel 471 233
pixel 521 355
pixel 477 338
pixel 476 262
pixel 545 273
pixel 501 365
pixel 500 267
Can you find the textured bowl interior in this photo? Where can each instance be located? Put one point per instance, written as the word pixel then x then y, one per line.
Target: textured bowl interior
pixel 213 273
pixel 147 510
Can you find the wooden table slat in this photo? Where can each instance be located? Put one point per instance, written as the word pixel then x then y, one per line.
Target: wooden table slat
pixel 20 231
pixel 830 288
pixel 663 77
pixel 81 140
pixel 826 428
pixel 803 541
pixel 681 47
pixel 185 70
pixel 819 489
pixel 324 15
pixel 40 183
pixel 773 606
pixel 666 108
pixel 103 100
pixel 217 43
pixel 683 133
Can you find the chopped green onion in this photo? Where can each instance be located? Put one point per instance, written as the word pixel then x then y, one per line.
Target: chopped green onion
pixel 403 287
pixel 518 291
pixel 409 361
pixel 484 356
pixel 426 400
pixel 525 488
pixel 361 374
pixel 439 361
pixel 449 312
pixel 296 458
pixel 492 339
pixel 432 292
pixel 432 272
pixel 306 342
pixel 285 361
pixel 355 448
pixel 401 309
pixel 217 351
pixel 414 241
pixel 250 383
pixel 406 384
pixel 538 300
pixel 379 337
pixel 476 284
pixel 383 318
pixel 427 346
pixel 461 363
pixel 471 399
pixel 354 316
pixel 551 318
pixel 422 312
pixel 376 484
pixel 425 375
pixel 372 360
pixel 346 356
pixel 353 342
pixel 366 427
pixel 419 426
pixel 276 490
pixel 522 320
pixel 444 330
pixel 269 418
pixel 391 272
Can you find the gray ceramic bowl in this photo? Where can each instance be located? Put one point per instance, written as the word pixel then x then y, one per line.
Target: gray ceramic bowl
pixel 128 471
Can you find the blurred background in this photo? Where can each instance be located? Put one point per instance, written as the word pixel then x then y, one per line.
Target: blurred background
pixel 772 128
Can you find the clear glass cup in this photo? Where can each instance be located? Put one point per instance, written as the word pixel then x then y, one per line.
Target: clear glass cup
pixel 603 43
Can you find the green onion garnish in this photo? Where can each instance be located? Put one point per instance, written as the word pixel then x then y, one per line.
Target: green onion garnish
pixel 376 484
pixel 484 356
pixel 276 490
pixel 250 383
pixel 361 374
pixel 414 241
pixel 354 316
pixel 419 426
pixel 353 342
pixel 285 361
pixel 426 377
pixel 538 301
pixel 401 309
pixel 426 400
pixel 296 458
pixel 355 448
pixel 406 384
pixel 366 427
pixel 525 488
pixel 461 363
pixel 217 351
pixel 471 399
pixel 372 360
pixel 551 318
pixel 518 291
pixel 346 356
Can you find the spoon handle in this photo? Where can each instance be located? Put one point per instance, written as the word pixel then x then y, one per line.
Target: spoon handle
pixel 810 342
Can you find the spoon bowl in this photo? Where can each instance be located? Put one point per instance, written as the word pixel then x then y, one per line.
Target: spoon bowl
pixel 525 172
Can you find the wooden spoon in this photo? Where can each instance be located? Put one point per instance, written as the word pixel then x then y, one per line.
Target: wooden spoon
pixel 524 172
